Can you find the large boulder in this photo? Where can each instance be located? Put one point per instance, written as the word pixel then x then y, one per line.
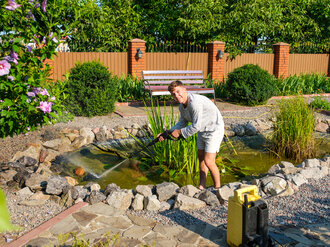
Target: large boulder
pixel 209 198
pixel 183 202
pixel 144 190
pixel 166 190
pixel 151 203
pixel 55 185
pixel 120 200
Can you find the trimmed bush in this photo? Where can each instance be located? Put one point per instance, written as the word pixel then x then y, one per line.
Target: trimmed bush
pixel 250 85
pixel 92 91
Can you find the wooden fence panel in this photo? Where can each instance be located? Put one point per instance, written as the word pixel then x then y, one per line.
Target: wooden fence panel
pixel 115 61
pixel 308 63
pixel 265 61
pixel 177 61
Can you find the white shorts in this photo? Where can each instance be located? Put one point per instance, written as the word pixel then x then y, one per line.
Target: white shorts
pixel 210 141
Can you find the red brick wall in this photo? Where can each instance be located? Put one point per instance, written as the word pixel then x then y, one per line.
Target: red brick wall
pixel 136 65
pixel 215 63
pixel 281 62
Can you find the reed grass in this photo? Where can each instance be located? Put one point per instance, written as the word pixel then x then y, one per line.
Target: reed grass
pixel 293 130
pixel 173 156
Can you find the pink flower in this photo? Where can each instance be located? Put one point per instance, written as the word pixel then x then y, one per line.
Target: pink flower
pixel 4 67
pixel 10 77
pixel 36 90
pixel 45 106
pixel 44 92
pixel 12 5
pixel 44 5
pixel 12 58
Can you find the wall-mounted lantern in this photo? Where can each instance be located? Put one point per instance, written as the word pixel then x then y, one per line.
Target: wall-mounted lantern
pixel 139 53
pixel 220 54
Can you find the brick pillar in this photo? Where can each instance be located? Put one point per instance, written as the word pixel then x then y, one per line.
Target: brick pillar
pixel 281 62
pixel 216 64
pixel 135 64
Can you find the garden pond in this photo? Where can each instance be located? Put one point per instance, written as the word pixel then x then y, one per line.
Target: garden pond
pixel 240 158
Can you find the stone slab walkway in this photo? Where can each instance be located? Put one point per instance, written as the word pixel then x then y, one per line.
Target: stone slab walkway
pixel 101 222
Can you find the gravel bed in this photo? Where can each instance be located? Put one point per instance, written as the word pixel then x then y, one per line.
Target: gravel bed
pixel 308 205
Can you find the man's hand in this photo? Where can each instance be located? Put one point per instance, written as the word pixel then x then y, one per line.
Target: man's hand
pixel 160 138
pixel 176 133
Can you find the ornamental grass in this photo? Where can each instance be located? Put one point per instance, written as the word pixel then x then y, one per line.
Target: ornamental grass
pixel 293 130
pixel 174 157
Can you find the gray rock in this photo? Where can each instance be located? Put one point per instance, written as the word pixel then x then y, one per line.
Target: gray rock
pixel 209 198
pixel 96 197
pixel 322 127
pixel 101 136
pixel 239 130
pixel 111 188
pixel 274 169
pixel 55 185
pixel 285 164
pixel 21 176
pixel 32 151
pixel 311 172
pixel 53 144
pixel 167 205
pixel 224 193
pixel 36 181
pixel 92 186
pixel 144 190
pixel 166 190
pixel 183 202
pixel 230 133
pixel 273 185
pixel 120 200
pixel 297 179
pixel 27 161
pixel 25 192
pixel 66 199
pixel 51 155
pixel 312 163
pixel 79 192
pixel 250 129
pixel 79 142
pixel 137 203
pixel 325 161
pixel 8 175
pixel 188 190
pixel 88 134
pixel 151 203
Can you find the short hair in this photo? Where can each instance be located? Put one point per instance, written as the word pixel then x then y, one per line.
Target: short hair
pixel 174 84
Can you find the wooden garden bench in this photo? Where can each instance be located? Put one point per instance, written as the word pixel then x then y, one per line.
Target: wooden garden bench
pixel 156 81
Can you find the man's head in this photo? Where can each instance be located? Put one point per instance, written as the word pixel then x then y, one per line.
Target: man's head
pixel 178 92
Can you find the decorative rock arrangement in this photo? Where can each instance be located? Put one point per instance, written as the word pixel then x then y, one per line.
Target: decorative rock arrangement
pixel 33 172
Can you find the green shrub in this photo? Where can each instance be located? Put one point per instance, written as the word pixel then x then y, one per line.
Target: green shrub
pixel 250 85
pixel 92 91
pixel 131 89
pixel 303 84
pixel 320 103
pixel 293 130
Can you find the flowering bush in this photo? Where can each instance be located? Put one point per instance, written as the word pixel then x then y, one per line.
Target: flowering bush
pixel 28 37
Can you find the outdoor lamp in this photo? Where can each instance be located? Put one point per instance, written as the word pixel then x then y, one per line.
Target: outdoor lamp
pixel 220 54
pixel 139 53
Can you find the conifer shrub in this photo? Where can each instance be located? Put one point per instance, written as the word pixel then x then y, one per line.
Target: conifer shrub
pixel 250 85
pixel 92 90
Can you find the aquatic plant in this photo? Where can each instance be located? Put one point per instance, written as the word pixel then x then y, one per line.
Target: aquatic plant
pixel 293 130
pixel 173 157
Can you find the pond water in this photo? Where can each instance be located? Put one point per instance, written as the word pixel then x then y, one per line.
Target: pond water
pixel 253 158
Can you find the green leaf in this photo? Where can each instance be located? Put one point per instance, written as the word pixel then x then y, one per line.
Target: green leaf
pixel 5 223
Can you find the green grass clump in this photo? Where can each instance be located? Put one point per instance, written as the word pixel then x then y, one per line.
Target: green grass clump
pixel 320 103
pixel 293 130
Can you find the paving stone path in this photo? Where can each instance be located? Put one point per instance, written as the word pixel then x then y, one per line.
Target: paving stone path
pixel 101 222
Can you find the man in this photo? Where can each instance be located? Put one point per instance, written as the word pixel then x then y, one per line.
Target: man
pixel 206 120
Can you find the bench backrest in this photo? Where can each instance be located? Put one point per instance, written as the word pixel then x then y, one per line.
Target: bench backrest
pixel 161 77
